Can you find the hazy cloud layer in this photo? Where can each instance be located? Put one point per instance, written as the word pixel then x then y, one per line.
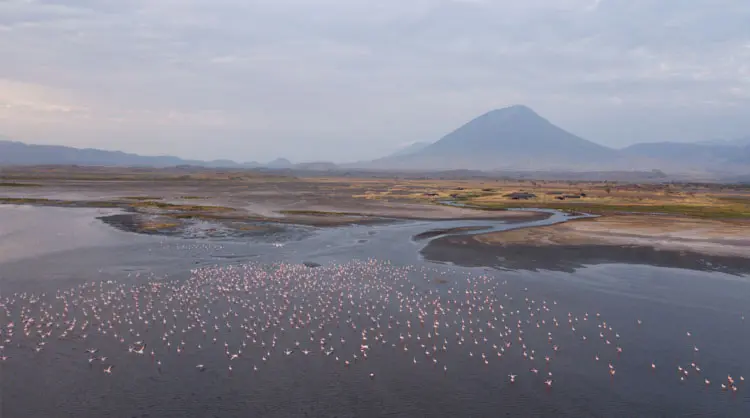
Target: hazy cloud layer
pixel 350 79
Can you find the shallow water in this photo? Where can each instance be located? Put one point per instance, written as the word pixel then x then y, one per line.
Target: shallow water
pixel 43 250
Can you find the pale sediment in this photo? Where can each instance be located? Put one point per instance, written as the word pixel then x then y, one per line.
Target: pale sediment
pixel 653 240
pixel 727 238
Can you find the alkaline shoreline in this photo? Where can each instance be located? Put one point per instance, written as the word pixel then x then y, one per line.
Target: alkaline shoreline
pixel 668 241
pixel 704 220
pixel 664 241
pixel 150 215
pixel 722 238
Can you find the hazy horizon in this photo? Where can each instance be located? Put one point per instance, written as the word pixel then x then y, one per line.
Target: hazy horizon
pixel 257 80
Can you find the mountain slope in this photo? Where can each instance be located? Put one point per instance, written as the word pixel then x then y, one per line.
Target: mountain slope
pixel 741 156
pixel 511 138
pixel 412 148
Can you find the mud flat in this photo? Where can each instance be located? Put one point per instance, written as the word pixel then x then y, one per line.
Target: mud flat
pixel 634 239
pixel 728 238
pixel 164 205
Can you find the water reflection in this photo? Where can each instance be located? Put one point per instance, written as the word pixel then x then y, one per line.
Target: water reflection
pixel 198 284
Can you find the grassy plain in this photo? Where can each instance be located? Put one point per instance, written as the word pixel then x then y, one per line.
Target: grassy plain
pixel 223 190
pixel 712 201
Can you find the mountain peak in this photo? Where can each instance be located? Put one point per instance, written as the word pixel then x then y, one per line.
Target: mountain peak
pixel 513 136
pixel 516 110
pixel 280 163
pixel 513 113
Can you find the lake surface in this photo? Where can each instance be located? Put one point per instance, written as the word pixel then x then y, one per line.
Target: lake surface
pixel 441 339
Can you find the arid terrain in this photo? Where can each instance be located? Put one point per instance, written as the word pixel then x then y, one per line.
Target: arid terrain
pixel 707 218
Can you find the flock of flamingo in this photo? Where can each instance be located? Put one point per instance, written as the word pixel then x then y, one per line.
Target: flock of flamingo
pixel 243 318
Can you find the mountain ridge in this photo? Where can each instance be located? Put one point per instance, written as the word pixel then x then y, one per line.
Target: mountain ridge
pixel 510 138
pixel 699 154
pixel 20 153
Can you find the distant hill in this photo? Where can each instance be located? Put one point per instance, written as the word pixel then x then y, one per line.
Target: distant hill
pixel 316 166
pixel 280 163
pixel 18 153
pixel 511 138
pixel 737 142
pixel 720 156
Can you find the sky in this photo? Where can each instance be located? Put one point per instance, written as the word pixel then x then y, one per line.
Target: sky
pixel 347 80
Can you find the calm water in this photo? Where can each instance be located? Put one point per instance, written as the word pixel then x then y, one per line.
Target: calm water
pixel 208 283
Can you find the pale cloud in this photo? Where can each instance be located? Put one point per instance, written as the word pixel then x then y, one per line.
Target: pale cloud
pixel 28 104
pixel 350 79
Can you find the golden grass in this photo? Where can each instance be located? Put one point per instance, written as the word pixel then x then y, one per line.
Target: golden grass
pixel 155 226
pixel 600 198
pixel 697 200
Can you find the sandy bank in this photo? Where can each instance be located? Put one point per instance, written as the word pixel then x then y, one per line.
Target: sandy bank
pixel 726 238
